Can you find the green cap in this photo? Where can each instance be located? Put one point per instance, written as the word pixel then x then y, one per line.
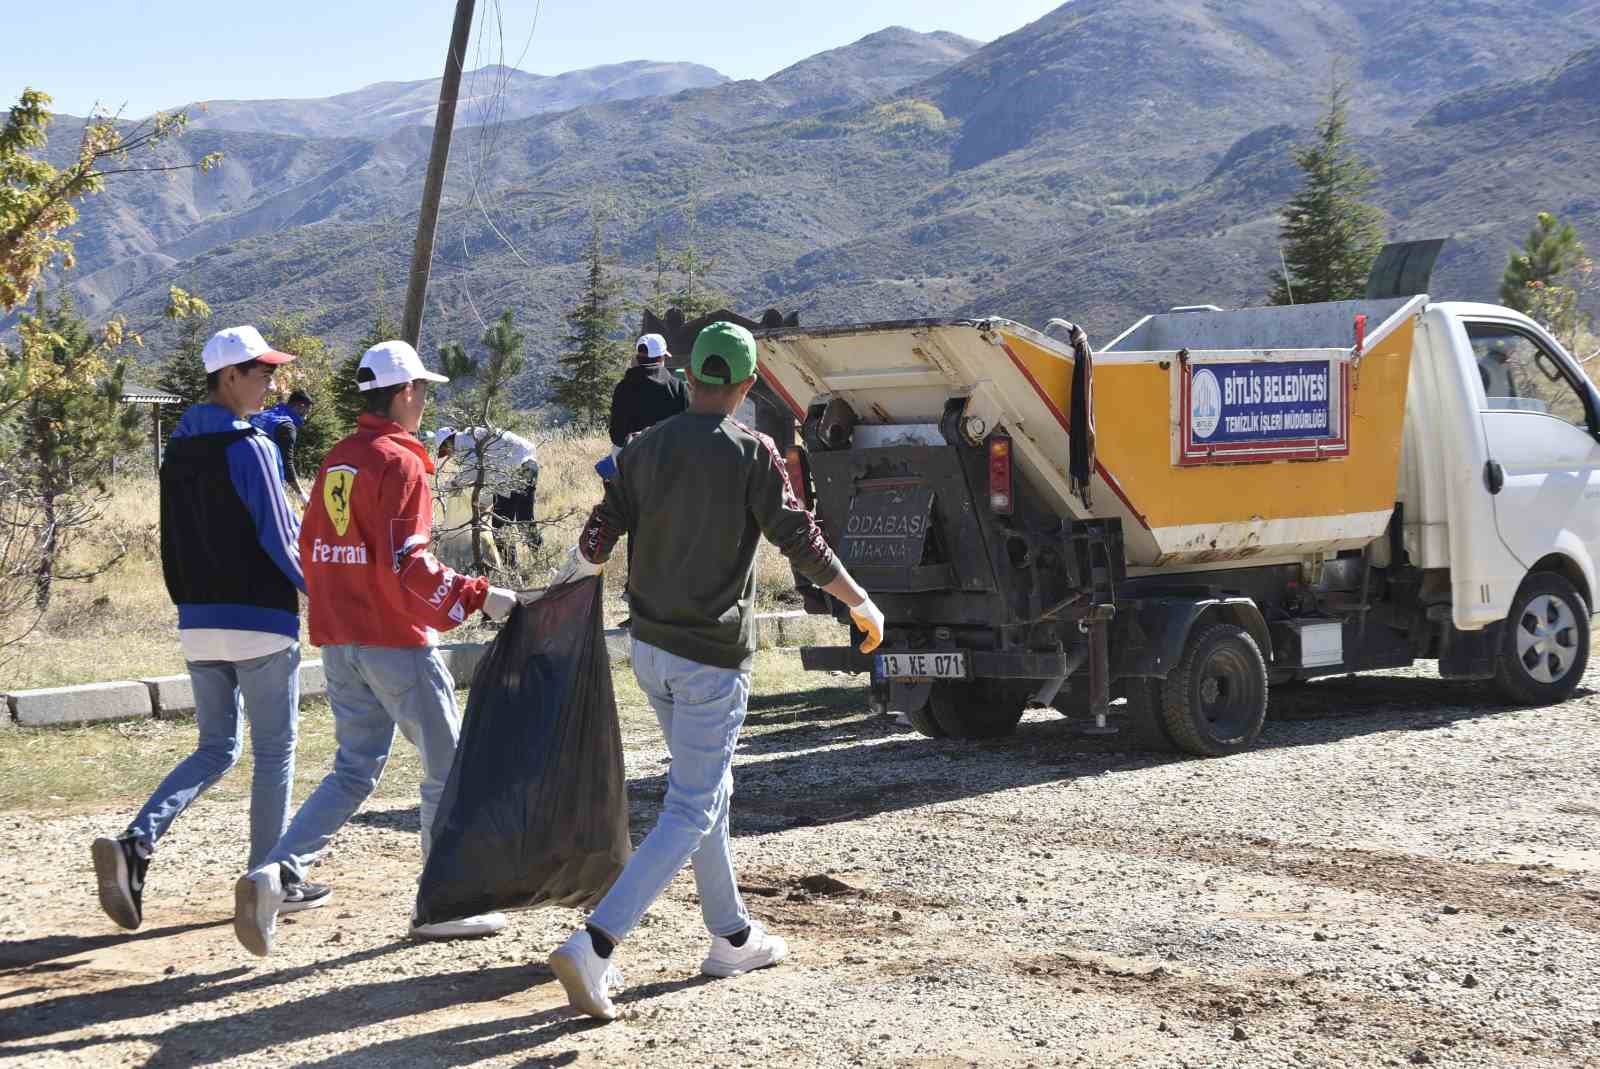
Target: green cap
pixel 723 354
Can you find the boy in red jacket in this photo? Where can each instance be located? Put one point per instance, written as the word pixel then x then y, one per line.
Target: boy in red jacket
pixel 378 599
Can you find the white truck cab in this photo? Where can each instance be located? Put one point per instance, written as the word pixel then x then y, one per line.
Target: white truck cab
pixel 1491 385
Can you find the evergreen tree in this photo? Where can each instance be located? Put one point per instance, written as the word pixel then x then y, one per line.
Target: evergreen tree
pixel 660 298
pixel 1330 234
pixel 41 373
pixel 182 372
pixel 594 361
pixel 1552 249
pixel 694 296
pixel 73 426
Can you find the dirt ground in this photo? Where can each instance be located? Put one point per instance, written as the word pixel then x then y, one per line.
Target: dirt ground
pixel 1401 874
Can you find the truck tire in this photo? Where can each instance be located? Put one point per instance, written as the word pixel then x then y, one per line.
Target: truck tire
pixel 1215 700
pixel 1545 645
pixel 1147 724
pixel 978 708
pixel 922 719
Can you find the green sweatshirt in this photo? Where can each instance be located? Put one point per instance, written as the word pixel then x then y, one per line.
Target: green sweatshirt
pixel 695 493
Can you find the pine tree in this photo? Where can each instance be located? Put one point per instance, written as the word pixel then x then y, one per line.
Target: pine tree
pixel 660 298
pixel 694 296
pixel 73 427
pixel 1330 234
pixel 182 372
pixel 594 361
pixel 1552 249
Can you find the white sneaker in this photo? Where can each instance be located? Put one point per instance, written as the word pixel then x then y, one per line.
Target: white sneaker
pixel 588 978
pixel 257 897
pixel 461 928
pixel 761 948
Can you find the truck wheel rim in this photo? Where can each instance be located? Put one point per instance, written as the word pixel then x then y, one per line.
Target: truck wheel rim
pixel 1547 638
pixel 1225 693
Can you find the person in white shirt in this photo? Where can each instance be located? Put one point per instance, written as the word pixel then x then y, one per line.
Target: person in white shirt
pixel 509 464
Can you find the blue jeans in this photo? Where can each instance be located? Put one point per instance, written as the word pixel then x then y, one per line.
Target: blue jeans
pixel 267 690
pixel 700 709
pixel 373 690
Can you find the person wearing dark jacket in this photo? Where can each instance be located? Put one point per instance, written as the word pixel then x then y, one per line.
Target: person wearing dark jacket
pixel 231 560
pixel 647 394
pixel 697 491
pixel 282 424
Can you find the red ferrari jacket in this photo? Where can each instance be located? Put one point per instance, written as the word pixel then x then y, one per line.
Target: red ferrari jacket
pixel 364 546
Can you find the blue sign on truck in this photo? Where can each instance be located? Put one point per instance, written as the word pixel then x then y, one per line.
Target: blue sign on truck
pixel 1262 410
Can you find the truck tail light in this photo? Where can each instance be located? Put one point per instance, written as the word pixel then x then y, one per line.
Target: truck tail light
pixel 1000 499
pixel 794 460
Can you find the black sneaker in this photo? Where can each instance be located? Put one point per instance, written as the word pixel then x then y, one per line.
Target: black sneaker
pixel 304 894
pixel 119 872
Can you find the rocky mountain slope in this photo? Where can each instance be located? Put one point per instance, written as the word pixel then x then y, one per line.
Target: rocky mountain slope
pixel 1114 157
pixel 489 94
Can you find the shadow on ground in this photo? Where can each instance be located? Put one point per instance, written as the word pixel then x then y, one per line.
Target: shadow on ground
pixel 337 1009
pixel 44 954
pixel 876 766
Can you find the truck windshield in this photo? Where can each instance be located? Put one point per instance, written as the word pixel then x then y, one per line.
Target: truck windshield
pixel 1520 375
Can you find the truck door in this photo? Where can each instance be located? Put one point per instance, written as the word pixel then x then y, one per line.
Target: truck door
pixel 1543 430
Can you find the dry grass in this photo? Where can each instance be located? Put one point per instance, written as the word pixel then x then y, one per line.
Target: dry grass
pixel 121 625
pixel 48 768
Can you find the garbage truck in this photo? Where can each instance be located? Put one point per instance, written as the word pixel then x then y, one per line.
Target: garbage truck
pixel 1234 501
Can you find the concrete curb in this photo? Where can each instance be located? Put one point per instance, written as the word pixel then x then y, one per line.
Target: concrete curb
pixel 84 704
pixel 172 697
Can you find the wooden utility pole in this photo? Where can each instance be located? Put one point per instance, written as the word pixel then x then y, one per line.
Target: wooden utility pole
pixel 444 122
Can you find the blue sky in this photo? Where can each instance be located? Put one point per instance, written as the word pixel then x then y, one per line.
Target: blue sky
pixel 150 54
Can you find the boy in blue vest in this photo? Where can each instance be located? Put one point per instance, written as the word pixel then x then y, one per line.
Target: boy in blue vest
pixel 231 560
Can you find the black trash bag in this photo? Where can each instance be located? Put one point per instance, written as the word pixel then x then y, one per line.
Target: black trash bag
pixel 535 812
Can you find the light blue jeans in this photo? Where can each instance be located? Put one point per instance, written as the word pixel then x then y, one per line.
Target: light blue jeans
pixel 373 690
pixel 700 709
pixel 267 690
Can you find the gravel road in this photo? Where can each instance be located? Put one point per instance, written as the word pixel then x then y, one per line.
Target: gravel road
pixel 1401 874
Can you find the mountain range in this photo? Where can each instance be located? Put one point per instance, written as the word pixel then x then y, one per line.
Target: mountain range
pixel 1113 158
pixel 488 94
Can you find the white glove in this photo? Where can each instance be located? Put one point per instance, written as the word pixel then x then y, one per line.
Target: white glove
pixel 869 618
pixel 498 605
pixel 576 567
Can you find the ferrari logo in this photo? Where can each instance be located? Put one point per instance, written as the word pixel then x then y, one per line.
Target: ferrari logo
pixel 336 487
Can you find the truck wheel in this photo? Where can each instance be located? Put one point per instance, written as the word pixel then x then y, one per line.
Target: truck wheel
pixel 1147 726
pixel 1215 700
pixel 912 699
pixel 922 719
pixel 1545 647
pixel 979 708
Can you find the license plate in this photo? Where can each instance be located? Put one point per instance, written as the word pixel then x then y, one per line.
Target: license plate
pixel 922 665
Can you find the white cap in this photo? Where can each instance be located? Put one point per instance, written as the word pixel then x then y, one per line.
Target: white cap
pixel 239 345
pixel 393 363
pixel 654 346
